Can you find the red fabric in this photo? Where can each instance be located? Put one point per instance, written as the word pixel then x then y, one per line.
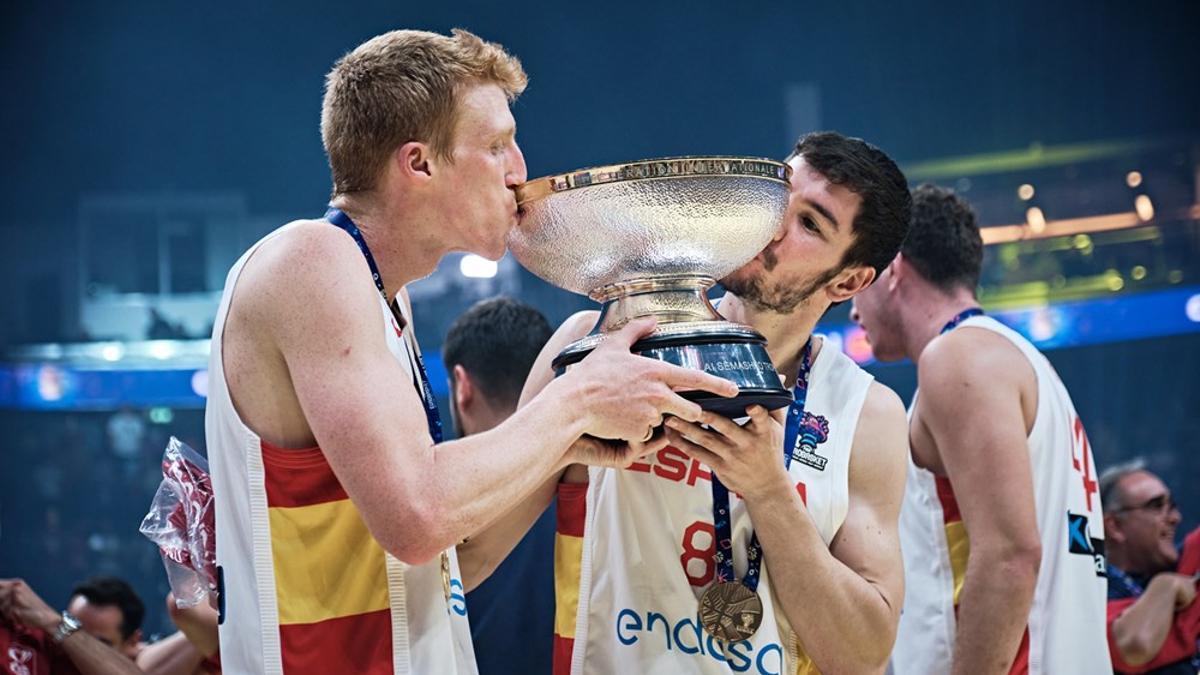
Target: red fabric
pixel 212 664
pixel 563 650
pixel 1180 643
pixel 29 651
pixel 1020 664
pixel 194 486
pixel 572 508
pixel 1189 560
pixel 361 643
pixel 571 514
pixel 299 477
pixel 945 493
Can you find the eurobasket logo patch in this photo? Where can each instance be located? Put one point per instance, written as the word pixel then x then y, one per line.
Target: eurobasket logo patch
pixel 814 430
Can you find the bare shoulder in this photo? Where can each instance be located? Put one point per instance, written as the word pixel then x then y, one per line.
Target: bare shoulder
pixel 309 275
pixel 307 248
pixel 970 367
pixel 307 270
pixel 577 325
pixel 967 354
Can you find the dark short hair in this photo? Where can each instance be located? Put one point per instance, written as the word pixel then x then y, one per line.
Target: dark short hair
pixel 114 592
pixel 497 341
pixel 943 242
pixel 883 218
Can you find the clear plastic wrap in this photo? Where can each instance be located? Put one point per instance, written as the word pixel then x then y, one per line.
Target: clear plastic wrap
pixel 182 521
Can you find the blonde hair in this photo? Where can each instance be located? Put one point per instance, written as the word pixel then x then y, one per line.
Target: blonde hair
pixel 403 86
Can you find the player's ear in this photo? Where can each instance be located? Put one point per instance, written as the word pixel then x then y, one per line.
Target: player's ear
pixel 897 270
pixel 413 161
pixel 464 388
pixel 849 282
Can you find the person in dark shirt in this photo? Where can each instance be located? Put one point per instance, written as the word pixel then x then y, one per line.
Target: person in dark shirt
pixel 1153 616
pixel 488 353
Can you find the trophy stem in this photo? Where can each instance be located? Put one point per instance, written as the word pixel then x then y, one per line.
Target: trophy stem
pixel 735 352
pixel 672 299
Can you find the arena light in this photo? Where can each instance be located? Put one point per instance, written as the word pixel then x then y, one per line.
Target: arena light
pixel 1043 324
pixel 1001 234
pixel 1144 207
pixel 162 349
pixel 1114 280
pixel 112 352
pixel 200 383
pixel 51 383
pixel 1133 178
pixel 1192 308
pixel 1035 219
pixel 1026 192
pixel 477 267
pixel 161 415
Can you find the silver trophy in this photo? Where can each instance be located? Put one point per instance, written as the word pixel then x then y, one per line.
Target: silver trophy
pixel 650 238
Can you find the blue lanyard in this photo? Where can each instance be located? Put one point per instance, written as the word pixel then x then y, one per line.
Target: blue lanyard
pixel 961 317
pixel 1135 589
pixel 432 418
pixel 724 555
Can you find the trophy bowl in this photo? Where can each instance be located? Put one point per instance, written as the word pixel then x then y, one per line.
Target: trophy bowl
pixel 650 238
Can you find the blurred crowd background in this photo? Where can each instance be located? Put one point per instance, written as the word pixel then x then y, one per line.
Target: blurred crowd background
pixel 148 144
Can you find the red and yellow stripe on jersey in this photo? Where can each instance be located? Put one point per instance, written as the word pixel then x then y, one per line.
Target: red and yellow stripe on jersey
pixel 959 548
pixel 330 574
pixel 568 557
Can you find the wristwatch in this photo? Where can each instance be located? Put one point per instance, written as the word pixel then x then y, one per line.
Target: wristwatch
pixel 66 627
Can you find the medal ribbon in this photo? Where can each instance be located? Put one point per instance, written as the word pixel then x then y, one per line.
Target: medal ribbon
pixel 961 317
pixel 432 418
pixel 721 518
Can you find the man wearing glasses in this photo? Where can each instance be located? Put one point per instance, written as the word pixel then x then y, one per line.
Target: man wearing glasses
pixel 1153 616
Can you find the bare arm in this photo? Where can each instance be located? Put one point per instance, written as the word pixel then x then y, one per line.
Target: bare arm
pixel 479 556
pixel 93 657
pixel 843 600
pixel 20 605
pixel 198 623
pixel 970 404
pixel 363 411
pixel 172 655
pixel 183 652
pixel 1139 632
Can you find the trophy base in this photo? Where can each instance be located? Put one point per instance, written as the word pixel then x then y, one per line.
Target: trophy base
pixel 732 351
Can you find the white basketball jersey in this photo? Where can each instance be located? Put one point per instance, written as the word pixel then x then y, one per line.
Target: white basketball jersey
pixel 1065 632
pixel 306 588
pixel 648 544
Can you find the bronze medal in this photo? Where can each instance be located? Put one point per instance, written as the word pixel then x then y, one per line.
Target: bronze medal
pixel 446 575
pixel 730 612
